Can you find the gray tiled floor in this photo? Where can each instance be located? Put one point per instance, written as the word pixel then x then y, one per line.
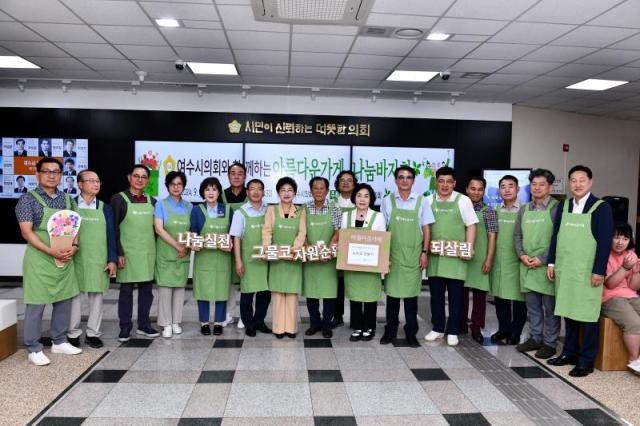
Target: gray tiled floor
pixel 266 381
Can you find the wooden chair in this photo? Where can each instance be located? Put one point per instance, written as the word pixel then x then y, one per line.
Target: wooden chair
pixel 8 328
pixel 612 354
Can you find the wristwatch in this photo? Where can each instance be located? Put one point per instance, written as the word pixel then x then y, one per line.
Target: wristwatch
pixel 424 251
pixel 76 245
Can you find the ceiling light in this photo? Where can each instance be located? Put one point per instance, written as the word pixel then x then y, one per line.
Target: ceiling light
pixel 408 33
pixel 438 36
pixel 168 22
pixel 374 95
pixel 211 68
pixel 596 84
pixel 16 62
pixel 422 76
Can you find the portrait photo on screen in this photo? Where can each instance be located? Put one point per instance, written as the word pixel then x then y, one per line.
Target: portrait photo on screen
pixel 492 193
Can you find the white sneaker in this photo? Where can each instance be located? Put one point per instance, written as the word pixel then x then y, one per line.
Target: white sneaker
pixel 227 321
pixel 65 348
pixel 38 358
pixel 432 336
pixel 634 366
pixel 167 332
pixel 240 324
pixel 176 328
pixel 452 340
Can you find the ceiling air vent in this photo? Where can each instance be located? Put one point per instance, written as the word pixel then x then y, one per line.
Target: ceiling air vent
pixel 384 32
pixel 475 75
pixel 312 12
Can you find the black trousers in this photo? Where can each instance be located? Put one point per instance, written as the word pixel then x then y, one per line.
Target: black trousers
pixel 410 313
pixel 438 286
pixel 585 353
pixel 125 304
pixel 363 315
pixel 512 315
pixel 328 309
pixel 250 318
pixel 339 310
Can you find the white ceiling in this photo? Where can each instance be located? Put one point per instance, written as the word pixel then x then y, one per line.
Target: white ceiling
pixel 532 49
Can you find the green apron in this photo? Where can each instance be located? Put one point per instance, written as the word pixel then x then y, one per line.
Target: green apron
pixel 138 240
pixel 91 259
pixel 320 279
pixel 537 229
pixel 342 210
pixel 405 277
pixel 285 276
pixel 475 277
pixel 255 270
pixel 575 254
pixel 448 226
pixel 170 271
pixel 234 206
pixel 362 286
pixel 212 268
pixel 43 281
pixel 505 273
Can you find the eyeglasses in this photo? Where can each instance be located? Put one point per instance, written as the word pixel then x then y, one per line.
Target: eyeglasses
pixel 91 181
pixel 140 177
pixel 176 184
pixel 346 181
pixel 405 177
pixel 50 172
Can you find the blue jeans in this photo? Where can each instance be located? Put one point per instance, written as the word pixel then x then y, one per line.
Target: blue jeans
pixel 543 324
pixel 204 310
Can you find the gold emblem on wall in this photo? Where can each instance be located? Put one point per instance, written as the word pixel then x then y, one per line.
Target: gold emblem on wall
pixel 234 126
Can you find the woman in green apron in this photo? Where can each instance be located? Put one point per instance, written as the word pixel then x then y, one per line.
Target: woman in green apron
pixel 246 229
pixel 284 224
pixel 320 278
pixel 344 184
pixel 505 274
pixel 211 268
pixel 172 259
pixel 363 289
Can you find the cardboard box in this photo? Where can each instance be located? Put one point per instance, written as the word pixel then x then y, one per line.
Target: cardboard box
pixel 363 250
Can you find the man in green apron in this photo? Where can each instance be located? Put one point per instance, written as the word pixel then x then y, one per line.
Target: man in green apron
pixel 578 255
pixel 479 267
pixel 407 215
pixel 96 261
pixel 136 241
pixel 246 230
pixel 505 274
pixel 235 196
pixel 455 221
pixel 44 283
pixel 344 184
pixel 534 226
pixel 320 279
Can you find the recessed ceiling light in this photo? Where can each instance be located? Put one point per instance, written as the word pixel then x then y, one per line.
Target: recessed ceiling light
pixel 15 62
pixel 168 22
pixel 408 33
pixel 422 76
pixel 211 68
pixel 438 36
pixel 596 84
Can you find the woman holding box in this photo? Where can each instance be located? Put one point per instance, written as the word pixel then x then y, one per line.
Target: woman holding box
pixel 211 268
pixel 171 217
pixel 363 288
pixel 284 224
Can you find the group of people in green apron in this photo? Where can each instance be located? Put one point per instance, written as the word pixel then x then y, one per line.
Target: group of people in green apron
pixel 543 259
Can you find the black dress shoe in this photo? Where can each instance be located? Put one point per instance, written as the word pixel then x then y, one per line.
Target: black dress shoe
pixel 94 342
pixel 251 332
pixel 579 371
pixel 311 331
pixel 338 322
pixel 262 328
pixel 412 341
pixel 513 341
pixel 498 337
pixel 561 360
pixel 368 334
pixel 387 337
pixel 205 330
pixel 279 335
pixel 327 333
pixel 217 330
pixel 477 336
pixel 355 336
pixel 290 335
pixel 75 341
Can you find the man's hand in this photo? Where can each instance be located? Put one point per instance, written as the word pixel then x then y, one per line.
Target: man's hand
pixel 182 251
pixel 121 262
pixel 239 268
pixel 534 262
pixel 597 280
pixel 486 266
pixel 550 273
pixel 111 269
